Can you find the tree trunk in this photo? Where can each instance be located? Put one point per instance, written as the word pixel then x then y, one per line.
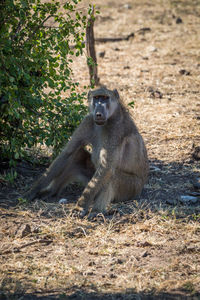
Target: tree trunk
pixel 91 53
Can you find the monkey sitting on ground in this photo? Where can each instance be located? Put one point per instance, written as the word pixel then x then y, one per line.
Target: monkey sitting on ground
pixel 117 167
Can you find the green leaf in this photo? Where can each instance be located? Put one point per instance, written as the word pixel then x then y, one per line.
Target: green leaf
pixel 34 70
pixel 131 104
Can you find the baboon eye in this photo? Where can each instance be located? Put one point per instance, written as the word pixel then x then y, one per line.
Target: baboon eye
pixel 100 99
pixel 103 97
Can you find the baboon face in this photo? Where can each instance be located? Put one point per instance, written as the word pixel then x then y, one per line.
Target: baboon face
pixel 103 104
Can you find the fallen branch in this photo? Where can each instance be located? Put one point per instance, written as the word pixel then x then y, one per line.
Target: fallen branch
pixel 117 39
pixel 17 249
pixel 107 40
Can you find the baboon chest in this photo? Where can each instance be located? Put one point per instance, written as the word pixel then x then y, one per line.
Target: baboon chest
pixel 99 150
pixel 98 155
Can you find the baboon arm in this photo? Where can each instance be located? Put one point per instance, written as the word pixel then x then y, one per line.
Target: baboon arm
pixel 99 180
pixel 81 137
pixel 122 157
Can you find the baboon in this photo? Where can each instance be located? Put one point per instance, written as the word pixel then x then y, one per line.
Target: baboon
pixel 116 168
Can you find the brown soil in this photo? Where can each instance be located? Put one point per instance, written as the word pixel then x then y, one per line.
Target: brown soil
pixel 143 249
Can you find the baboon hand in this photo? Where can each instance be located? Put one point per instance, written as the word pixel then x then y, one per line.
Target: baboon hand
pixel 82 202
pixel 80 211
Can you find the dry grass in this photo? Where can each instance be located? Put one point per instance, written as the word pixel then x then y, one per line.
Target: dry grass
pixel 142 251
pixel 142 248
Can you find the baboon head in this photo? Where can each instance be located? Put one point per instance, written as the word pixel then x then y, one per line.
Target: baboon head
pixel 103 103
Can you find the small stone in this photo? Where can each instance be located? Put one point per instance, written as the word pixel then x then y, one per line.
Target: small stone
pixel 184 72
pixel 143 244
pixel 154 93
pixel 102 54
pixel 196 153
pixel 157 94
pixel 179 20
pixel 150 89
pixel 127 6
pixel 119 261
pixel 24 231
pixel 188 199
pixel 62 201
pixel 154 169
pixel 144 254
pixel 152 49
pixel 90 273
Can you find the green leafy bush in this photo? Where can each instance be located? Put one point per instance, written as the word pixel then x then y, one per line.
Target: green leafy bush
pixel 35 57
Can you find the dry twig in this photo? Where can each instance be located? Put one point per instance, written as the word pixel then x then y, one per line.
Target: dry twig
pixel 17 249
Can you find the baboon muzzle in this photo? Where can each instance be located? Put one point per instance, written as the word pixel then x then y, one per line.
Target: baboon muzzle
pixel 100 115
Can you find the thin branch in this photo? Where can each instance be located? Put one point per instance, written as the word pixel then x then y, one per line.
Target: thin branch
pixel 19 26
pixel 117 39
pixel 37 27
pixel 17 249
pixel 109 39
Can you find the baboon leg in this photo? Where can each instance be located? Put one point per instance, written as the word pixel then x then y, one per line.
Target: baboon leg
pixel 57 185
pixel 78 169
pixel 118 190
pixel 103 199
pixel 121 187
pixel 128 187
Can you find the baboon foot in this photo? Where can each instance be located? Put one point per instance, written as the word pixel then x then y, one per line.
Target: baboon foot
pixel 83 204
pixel 80 211
pixel 94 214
pixel 90 215
pixel 83 213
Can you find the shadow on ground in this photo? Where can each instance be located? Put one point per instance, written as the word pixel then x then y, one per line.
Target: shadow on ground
pixel 83 295
pixel 167 183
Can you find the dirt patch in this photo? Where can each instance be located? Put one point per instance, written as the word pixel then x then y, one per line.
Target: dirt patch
pixel 143 249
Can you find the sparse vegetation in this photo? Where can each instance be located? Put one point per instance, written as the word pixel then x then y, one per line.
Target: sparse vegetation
pixel 35 58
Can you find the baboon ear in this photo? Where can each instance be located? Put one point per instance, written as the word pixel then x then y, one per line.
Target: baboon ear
pixel 116 94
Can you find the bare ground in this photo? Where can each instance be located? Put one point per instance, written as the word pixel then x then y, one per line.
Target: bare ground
pixel 147 249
